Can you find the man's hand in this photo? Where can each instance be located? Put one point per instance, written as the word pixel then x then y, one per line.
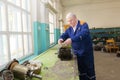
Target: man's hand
pixel 60 41
pixel 68 41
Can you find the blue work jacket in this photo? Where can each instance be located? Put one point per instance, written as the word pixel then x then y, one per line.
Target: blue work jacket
pixel 81 40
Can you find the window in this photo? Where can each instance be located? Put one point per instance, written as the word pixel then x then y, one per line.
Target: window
pixel 26 22
pixel 15 30
pixel 26 5
pixel 15 2
pixel 52 26
pixel 2 17
pixel 3 49
pixel 14 19
pixel 16 46
pixel 27 44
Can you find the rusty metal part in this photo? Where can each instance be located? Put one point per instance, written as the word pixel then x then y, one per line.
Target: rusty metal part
pixel 20 71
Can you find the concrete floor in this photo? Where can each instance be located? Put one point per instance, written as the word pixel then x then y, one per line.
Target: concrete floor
pixel 107 66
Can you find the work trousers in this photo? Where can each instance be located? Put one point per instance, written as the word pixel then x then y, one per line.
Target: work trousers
pixel 86 67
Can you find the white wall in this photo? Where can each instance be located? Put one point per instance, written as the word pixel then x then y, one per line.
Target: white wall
pixel 97 15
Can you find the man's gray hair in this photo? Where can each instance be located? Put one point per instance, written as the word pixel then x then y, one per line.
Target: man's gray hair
pixel 69 15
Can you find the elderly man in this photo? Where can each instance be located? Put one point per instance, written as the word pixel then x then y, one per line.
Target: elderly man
pixel 78 36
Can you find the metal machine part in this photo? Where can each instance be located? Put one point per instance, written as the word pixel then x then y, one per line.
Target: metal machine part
pixel 33 65
pixel 6 75
pixel 20 71
pixel 65 53
pixel 23 73
pixel 32 74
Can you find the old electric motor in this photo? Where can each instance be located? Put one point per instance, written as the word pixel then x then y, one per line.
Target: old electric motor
pixel 64 53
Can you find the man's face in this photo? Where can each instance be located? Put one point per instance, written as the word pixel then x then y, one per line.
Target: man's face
pixel 71 21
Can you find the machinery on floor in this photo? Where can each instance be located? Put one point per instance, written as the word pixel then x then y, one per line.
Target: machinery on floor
pixel 20 71
pixel 65 53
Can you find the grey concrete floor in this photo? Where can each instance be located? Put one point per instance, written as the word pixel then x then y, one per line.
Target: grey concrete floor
pixel 107 66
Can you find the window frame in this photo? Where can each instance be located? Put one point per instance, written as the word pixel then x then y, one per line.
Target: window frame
pixel 8 33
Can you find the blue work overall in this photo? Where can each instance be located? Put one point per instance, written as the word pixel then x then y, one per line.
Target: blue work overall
pixel 82 48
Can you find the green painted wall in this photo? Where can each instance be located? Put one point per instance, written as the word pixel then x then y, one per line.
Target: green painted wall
pixel 41 37
pixel 45 36
pixel 37 36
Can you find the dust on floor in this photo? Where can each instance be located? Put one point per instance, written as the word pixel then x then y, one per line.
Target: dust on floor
pixel 107 66
pixel 62 70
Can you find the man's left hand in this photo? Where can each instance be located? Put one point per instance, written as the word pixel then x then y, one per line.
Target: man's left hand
pixel 68 41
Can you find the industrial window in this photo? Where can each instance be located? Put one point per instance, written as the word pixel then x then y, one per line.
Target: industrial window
pixel 51 26
pixel 15 30
pixel 3 49
pixel 14 19
pixel 2 17
pixel 26 4
pixel 15 2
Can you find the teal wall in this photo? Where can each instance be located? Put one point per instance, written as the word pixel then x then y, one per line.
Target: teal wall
pixel 37 45
pixel 41 37
pixel 45 36
pixel 57 34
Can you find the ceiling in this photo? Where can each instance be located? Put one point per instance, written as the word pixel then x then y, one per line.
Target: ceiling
pixel 68 3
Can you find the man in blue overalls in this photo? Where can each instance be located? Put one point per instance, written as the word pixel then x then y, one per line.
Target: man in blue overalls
pixel 78 36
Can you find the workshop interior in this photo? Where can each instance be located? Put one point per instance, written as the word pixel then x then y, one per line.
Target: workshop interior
pixel 29 33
